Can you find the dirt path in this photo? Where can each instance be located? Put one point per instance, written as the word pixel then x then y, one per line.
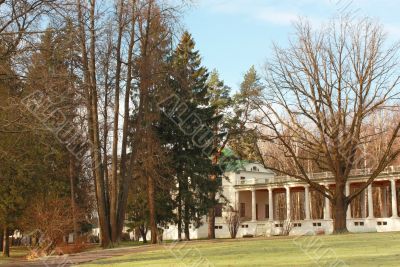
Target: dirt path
pixel 80 258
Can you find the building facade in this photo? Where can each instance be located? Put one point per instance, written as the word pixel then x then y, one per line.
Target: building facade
pixel 265 201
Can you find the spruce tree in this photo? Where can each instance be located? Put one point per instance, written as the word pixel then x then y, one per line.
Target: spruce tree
pixel 190 134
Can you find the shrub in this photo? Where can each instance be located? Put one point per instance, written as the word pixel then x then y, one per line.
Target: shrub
pixel 233 221
pixel 93 239
pixel 125 237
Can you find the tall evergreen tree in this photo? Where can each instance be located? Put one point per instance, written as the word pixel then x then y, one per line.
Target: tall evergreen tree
pixel 31 158
pixel 218 94
pixel 190 135
pixel 52 72
pixel 242 142
pixel 149 154
pixel 15 185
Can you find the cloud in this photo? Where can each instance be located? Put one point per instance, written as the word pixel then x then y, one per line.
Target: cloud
pixel 284 12
pixel 277 17
pixel 281 13
pixel 392 30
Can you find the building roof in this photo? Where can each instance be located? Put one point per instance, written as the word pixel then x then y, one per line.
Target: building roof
pixel 235 164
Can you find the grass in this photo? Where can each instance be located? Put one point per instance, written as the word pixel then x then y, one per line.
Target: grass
pixel 15 253
pixel 125 244
pixel 371 249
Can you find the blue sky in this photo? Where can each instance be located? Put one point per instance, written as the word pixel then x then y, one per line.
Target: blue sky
pixel 232 35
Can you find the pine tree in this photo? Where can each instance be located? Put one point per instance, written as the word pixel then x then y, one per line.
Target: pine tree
pixel 242 142
pixel 220 100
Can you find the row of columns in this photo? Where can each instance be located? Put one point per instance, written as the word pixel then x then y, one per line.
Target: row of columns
pixel 270 206
pixel 327 209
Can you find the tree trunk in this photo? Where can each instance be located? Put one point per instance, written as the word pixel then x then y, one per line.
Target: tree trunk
pixel 187 233
pixel 90 86
pixel 211 218
pixel 143 233
pixel 102 207
pixel 115 180
pixel 73 203
pixel 125 176
pixel 152 209
pixel 340 208
pixel 1 239
pixel 105 137
pixel 186 208
pixel 179 203
pixel 179 221
pixel 137 234
pixel 186 222
pixel 6 243
pixel 211 211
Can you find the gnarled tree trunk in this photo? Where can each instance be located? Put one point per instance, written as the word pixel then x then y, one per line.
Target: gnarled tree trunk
pixel 321 106
pixel 340 205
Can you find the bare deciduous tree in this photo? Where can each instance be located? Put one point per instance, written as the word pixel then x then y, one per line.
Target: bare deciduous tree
pixel 103 83
pixel 322 91
pixel 233 221
pixel 18 21
pixel 91 97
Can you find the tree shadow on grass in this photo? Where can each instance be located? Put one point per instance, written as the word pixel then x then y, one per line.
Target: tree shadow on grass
pixel 373 260
pixel 119 260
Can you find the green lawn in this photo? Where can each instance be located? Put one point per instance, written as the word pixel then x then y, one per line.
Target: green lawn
pixel 372 249
pixel 15 253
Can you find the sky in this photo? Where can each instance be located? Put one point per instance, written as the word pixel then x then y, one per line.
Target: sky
pixel 233 35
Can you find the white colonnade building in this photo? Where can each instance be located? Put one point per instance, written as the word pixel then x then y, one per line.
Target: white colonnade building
pixel 265 201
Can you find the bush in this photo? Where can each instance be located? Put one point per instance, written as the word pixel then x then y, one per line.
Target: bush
pixel 287 226
pixel 248 236
pixel 93 239
pixel 320 232
pixel 233 221
pixel 71 248
pixel 125 237
pixel 44 248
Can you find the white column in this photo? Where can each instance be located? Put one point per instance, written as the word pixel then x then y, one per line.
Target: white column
pixel 347 192
pixel 394 199
pixel 237 201
pixel 253 205
pixel 363 205
pixel 370 203
pixel 270 204
pixel 327 208
pixel 288 216
pixel 307 201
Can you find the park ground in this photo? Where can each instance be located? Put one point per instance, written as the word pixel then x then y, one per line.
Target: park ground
pixel 17 254
pixel 370 249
